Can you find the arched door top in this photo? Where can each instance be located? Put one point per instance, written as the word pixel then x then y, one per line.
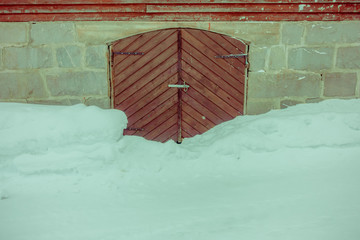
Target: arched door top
pixel 177 83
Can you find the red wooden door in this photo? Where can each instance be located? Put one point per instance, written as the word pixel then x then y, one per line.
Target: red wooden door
pixel 177 83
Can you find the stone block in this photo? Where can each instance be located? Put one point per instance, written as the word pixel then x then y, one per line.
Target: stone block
pixel 77 83
pixel 102 102
pixel 13 33
pixel 1 59
pixel 69 56
pixel 313 100
pixel 315 58
pixel 288 103
pixel 292 33
pixel 95 57
pixel 339 84
pixel 260 106
pixel 286 84
pixel 52 32
pixel 348 57
pixel 60 101
pixel 21 85
pixel 333 32
pixel 259 33
pixel 27 58
pixel 257 58
pixel 277 58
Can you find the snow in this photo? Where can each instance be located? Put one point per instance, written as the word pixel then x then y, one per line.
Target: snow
pixel 66 173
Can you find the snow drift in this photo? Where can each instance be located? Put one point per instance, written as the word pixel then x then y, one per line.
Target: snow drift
pixel 67 173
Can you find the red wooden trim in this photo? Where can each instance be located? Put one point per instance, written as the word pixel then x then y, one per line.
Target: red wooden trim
pixel 171 10
pixel 61 2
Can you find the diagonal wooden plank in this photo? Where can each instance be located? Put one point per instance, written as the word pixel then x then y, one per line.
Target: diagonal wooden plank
pixel 164 137
pixel 197 116
pixel 145 45
pixel 150 126
pixel 203 110
pixel 216 88
pixel 210 96
pixel 238 63
pixel 208 104
pixel 209 53
pixel 193 123
pixel 133 46
pixel 234 91
pixel 156 107
pixel 187 129
pixel 162 127
pixel 227 42
pixel 152 51
pixel 160 89
pixel 125 42
pixel 139 92
pixel 146 70
pixel 164 69
pixel 196 54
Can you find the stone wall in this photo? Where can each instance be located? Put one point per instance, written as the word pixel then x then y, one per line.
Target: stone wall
pixel 290 62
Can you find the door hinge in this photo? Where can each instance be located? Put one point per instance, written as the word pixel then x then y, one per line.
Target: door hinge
pixel 129 53
pixel 232 56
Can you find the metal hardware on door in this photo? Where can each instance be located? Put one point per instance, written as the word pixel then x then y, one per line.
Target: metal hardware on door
pixel 179 86
pixel 135 129
pixel 231 56
pixel 129 53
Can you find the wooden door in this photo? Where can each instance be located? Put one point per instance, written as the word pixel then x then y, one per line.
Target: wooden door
pixel 177 83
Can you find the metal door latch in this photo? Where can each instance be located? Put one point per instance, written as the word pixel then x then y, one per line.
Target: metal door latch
pixel 178 86
pixel 231 56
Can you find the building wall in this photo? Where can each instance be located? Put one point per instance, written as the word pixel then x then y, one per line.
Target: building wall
pixel 290 62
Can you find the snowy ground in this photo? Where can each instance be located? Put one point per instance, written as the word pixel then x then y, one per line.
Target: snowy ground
pixel 67 174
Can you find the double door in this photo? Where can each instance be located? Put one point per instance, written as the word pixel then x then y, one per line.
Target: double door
pixel 177 83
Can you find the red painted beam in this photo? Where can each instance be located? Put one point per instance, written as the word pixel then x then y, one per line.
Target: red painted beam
pixel 60 2
pixel 177 17
pixel 105 11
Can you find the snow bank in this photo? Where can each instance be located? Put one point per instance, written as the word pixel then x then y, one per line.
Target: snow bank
pixel 32 128
pixel 331 123
pixel 287 174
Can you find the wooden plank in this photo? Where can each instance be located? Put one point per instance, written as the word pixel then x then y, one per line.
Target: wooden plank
pixel 150 126
pixel 165 135
pixel 253 8
pixel 227 42
pixel 192 37
pixel 162 128
pixel 221 43
pixel 157 111
pixel 180 17
pixel 150 88
pixel 135 73
pixel 210 96
pixel 208 104
pixel 235 91
pixel 188 131
pixel 220 88
pixel 151 106
pixel 201 109
pixel 165 68
pixel 62 2
pixel 131 44
pixel 213 67
pixel 140 103
pixel 193 123
pixel 159 43
pixel 197 116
